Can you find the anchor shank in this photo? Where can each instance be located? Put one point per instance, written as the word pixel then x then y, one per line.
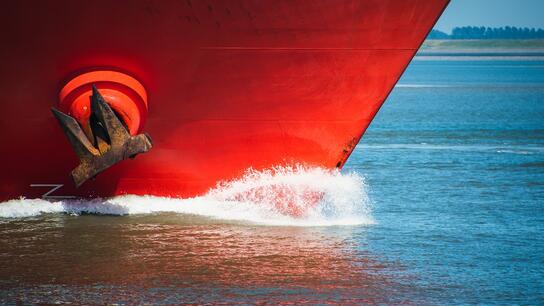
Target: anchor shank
pixel 112 142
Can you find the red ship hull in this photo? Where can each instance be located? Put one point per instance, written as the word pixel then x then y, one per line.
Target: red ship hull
pixel 231 85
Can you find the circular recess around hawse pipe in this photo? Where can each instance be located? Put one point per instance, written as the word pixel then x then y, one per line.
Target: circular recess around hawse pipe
pixel 126 96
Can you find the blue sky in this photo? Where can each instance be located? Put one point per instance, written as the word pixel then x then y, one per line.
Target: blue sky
pixel 492 13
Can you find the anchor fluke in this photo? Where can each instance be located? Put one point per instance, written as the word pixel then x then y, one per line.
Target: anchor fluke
pixel 111 142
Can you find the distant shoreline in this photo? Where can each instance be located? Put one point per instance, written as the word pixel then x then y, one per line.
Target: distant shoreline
pixel 482 49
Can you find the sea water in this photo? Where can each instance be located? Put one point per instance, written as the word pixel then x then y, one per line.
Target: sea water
pixel 442 202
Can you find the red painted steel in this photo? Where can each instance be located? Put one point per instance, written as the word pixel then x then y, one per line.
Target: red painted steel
pixel 230 84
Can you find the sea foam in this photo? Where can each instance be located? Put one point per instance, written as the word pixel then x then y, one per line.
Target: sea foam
pixel 295 196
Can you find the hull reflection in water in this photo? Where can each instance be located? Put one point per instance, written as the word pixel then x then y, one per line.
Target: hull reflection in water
pixel 223 246
pixel 171 258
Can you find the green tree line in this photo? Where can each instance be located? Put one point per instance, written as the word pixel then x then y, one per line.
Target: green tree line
pixel 471 32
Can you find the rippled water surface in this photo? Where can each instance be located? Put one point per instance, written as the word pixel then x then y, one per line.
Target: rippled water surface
pixel 442 202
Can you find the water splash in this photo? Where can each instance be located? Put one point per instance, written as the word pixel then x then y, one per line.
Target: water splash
pixel 296 196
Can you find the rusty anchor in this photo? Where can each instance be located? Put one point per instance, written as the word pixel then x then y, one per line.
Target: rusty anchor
pixel 109 142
